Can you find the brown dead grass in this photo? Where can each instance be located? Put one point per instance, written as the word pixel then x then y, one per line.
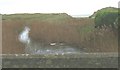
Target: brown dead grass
pixel 10 43
pixel 101 40
pixel 69 32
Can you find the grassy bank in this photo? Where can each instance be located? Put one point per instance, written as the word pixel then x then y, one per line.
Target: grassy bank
pixel 46 28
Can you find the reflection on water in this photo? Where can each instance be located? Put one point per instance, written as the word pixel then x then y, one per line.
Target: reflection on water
pixel 37 48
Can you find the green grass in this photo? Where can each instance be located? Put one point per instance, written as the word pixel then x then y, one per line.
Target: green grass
pixel 86 28
pixel 54 18
pixel 49 17
pixel 107 9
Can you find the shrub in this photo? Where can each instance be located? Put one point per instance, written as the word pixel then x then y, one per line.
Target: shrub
pixel 106 17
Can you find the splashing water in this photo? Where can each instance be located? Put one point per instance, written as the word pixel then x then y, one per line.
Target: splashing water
pixel 36 48
pixel 24 36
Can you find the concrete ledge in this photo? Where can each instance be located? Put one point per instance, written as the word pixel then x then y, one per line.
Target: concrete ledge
pixel 78 55
pixel 81 60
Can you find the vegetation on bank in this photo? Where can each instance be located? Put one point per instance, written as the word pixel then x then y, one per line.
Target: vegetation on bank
pixel 106 17
pixel 106 9
pixel 59 27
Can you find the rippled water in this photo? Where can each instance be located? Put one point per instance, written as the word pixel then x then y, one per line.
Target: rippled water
pixel 56 51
